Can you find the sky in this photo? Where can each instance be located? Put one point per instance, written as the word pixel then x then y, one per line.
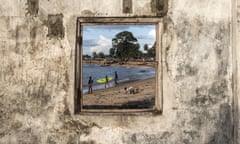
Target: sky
pixel 98 38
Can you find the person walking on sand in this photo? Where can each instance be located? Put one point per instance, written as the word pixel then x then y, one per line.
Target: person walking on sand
pixel 116 78
pixel 106 81
pixel 90 84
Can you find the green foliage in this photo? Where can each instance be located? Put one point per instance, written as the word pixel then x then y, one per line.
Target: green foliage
pixel 98 55
pixel 101 55
pixel 145 47
pixel 86 56
pixel 94 54
pixel 111 52
pixel 151 51
pixel 125 46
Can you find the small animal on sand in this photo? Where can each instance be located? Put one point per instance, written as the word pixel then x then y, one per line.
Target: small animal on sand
pixel 131 90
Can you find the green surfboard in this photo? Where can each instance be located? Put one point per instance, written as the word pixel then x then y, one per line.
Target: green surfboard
pixel 103 80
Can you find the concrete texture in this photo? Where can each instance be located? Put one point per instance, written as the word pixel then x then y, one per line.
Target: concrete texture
pixel 127 6
pixel 36 75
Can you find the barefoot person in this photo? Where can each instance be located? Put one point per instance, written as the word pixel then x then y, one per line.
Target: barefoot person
pixel 106 81
pixel 116 78
pixel 90 83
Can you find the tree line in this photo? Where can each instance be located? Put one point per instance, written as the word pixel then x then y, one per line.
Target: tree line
pixel 125 46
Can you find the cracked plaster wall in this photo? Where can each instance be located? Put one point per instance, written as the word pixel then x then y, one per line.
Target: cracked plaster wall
pixel 36 76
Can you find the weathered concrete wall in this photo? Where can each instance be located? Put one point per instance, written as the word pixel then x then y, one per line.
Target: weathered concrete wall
pixel 236 54
pixel 36 75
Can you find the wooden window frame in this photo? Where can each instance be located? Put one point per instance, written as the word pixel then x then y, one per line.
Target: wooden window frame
pixel 81 21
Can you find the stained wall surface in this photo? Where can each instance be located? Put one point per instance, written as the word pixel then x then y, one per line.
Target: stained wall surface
pixel 37 75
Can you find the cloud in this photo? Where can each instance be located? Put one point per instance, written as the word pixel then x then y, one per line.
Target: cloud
pixel 106 27
pixel 152 33
pixel 144 37
pixel 150 46
pixel 89 42
pixel 103 45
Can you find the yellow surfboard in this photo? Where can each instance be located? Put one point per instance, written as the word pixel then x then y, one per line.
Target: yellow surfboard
pixel 103 80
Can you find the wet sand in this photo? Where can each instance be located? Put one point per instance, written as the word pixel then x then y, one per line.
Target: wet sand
pixel 117 98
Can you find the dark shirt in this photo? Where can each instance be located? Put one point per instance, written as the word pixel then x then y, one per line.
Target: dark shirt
pixel 90 82
pixel 116 76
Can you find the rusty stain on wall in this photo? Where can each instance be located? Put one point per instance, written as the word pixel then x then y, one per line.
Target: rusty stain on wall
pixel 55 26
pixel 159 7
pixel 32 7
pixel 127 6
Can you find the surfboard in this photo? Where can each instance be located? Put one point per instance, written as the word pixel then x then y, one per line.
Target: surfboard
pixel 103 80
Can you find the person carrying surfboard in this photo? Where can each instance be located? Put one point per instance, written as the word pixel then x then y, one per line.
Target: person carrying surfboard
pixel 106 82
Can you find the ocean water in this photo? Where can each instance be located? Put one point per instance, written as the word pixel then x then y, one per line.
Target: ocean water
pixel 125 74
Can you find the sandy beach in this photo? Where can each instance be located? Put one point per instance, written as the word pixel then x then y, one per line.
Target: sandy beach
pixel 117 98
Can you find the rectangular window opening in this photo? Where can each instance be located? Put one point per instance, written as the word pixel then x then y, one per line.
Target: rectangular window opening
pixel 118 65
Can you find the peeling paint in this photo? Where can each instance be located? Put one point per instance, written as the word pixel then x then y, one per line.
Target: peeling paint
pixel 55 26
pixel 32 7
pixel 127 6
pixel 160 7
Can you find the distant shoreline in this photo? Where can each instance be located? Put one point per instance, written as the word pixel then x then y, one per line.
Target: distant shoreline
pixel 121 80
pixel 126 64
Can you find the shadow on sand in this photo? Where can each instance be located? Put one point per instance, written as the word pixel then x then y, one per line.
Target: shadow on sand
pixel 144 104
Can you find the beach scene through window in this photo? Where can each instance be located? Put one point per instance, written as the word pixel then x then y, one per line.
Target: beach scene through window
pixel 118 66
